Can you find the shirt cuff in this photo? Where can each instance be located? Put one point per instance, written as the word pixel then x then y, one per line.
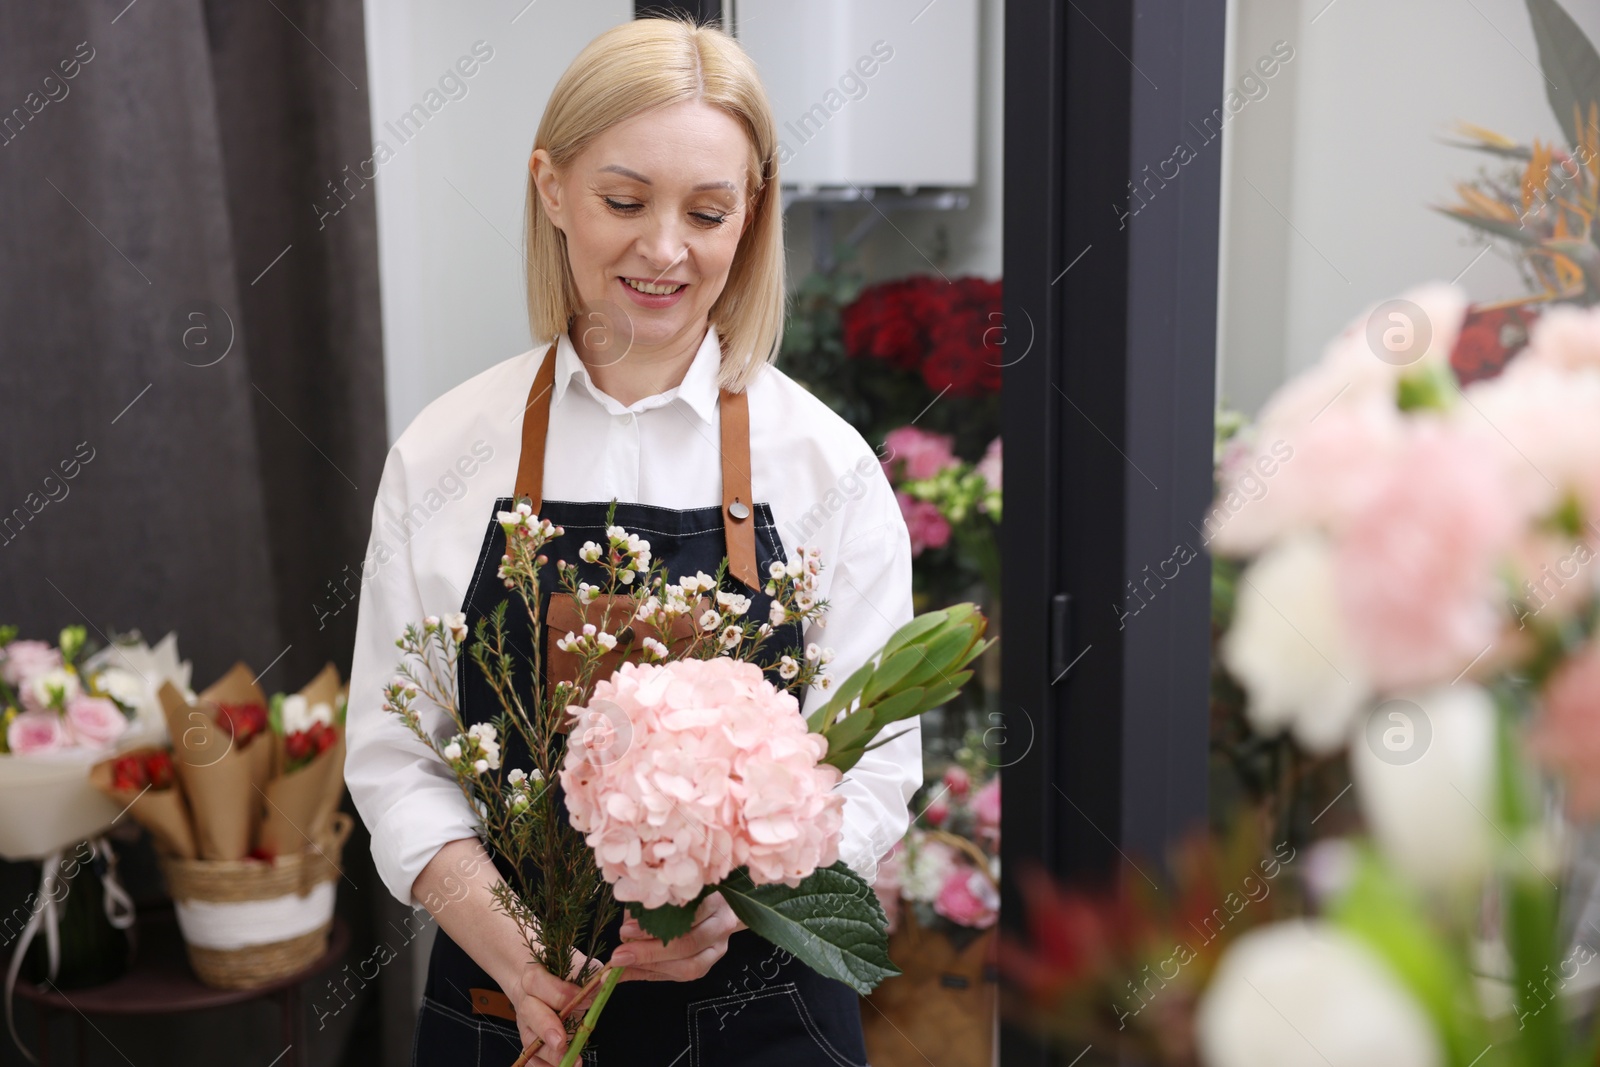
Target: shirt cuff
pixel 413 830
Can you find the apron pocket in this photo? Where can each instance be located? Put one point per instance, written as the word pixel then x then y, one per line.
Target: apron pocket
pixel 449 1038
pixel 771 1026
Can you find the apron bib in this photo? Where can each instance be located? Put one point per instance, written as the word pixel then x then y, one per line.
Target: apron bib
pixel 757 1005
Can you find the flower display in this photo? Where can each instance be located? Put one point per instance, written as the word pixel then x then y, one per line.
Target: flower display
pixel 718 771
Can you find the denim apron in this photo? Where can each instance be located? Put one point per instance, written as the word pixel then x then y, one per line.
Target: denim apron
pixel 757 1005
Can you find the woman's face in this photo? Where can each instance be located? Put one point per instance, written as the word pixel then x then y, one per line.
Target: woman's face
pixel 653 210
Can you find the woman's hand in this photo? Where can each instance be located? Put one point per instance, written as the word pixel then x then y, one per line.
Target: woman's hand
pixel 683 959
pixel 538 997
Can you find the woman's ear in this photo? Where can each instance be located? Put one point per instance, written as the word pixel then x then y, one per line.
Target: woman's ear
pixel 547 183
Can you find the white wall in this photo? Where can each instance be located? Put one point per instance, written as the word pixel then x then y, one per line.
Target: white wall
pixel 450 200
pixel 1348 146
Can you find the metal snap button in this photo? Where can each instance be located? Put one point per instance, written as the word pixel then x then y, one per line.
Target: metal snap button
pixel 738 510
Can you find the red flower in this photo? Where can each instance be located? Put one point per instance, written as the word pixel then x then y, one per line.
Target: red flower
pixel 1488 339
pixel 950 331
pixel 243 721
pixel 134 772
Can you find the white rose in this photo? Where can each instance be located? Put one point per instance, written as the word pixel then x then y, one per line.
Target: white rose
pixel 125 687
pixel 1288 647
pixel 1424 768
pixel 1304 994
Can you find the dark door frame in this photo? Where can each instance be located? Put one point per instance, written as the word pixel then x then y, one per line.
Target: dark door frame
pixel 1110 304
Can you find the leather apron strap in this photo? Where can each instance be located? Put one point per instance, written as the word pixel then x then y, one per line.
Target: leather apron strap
pixel 738 507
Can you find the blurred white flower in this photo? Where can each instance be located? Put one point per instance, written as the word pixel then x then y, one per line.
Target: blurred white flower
pixel 1289 649
pixel 1424 768
pixel 1304 994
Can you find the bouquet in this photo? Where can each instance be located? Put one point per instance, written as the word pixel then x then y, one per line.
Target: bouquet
pixel 256 777
pixel 62 708
pixel 686 770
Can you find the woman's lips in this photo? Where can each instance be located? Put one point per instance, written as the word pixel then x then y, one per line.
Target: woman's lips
pixel 653 300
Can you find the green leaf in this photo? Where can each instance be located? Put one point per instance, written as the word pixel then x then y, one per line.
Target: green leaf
pixel 832 922
pixel 915 629
pixel 841 698
pixel 1383 914
pixel 669 920
pixel 890 671
pixel 941 656
pixel 935 695
pixel 275 713
pixel 897 707
pixel 1570 64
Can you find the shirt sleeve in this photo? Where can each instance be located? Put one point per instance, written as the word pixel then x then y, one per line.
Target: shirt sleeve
pixel 405 794
pixel 869 599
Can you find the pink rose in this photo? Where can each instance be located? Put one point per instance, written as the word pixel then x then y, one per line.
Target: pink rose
pixel 986 805
pixel 927 527
pixel 922 454
pixel 968 898
pixel 95 722
pixel 936 813
pixel 34 732
pixel 957 781
pixel 1416 570
pixel 24 659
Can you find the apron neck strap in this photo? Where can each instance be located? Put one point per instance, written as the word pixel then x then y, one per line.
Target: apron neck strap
pixel 738 507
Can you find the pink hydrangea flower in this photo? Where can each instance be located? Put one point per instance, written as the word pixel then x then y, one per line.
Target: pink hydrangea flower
pixel 968 898
pixel 922 454
pixel 35 732
pixel 95 722
pixel 24 659
pixel 928 528
pixel 679 773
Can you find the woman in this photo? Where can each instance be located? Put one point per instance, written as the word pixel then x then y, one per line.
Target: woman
pixel 655 286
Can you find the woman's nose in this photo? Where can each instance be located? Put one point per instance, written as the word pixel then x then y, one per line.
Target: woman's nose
pixel 663 245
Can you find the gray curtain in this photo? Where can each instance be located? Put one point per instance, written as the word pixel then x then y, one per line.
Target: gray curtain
pixel 191 378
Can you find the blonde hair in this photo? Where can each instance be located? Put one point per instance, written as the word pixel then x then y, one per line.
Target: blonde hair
pixel 639 66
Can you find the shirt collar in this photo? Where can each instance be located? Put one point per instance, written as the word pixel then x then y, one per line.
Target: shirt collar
pixel 699 390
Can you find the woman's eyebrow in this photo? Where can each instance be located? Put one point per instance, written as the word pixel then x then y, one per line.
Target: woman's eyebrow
pixel 618 168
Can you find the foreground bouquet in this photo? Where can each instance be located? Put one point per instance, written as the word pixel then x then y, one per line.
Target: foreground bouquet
pixel 686 769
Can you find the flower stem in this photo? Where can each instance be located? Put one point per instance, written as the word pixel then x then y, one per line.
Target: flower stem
pixel 585 1028
pixel 588 987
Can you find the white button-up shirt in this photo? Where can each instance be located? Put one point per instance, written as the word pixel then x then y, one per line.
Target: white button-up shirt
pixel 437 496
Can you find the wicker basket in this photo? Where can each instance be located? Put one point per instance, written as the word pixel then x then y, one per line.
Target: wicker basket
pixel 246 923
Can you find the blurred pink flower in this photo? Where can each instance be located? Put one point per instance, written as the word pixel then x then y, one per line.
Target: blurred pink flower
pixel 957 780
pixel 1565 338
pixel 989 466
pixel 34 732
pixel 936 813
pixel 968 898
pixel 1567 735
pixel 95 722
pixel 1416 570
pixel 705 767
pixel 928 528
pixel 922 454
pixel 24 659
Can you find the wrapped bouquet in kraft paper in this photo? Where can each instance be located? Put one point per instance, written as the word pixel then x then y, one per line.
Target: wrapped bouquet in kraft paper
pixel 244 814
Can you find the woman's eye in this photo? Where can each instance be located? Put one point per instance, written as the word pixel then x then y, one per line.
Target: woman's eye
pixel 620 205
pixel 709 219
